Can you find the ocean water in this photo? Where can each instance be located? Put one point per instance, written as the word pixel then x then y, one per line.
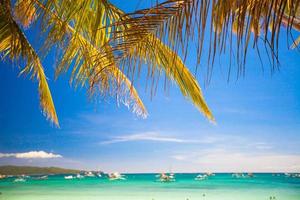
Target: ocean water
pixel 146 187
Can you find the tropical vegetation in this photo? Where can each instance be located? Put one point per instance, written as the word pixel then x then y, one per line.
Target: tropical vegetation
pixel 104 49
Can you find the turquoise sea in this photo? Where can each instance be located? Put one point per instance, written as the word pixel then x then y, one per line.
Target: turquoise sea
pixel 146 187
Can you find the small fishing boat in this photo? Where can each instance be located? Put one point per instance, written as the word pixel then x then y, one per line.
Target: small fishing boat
pixel 2 176
pixel 116 176
pixel 69 177
pixel 25 176
pixel 201 177
pixel 89 174
pixel 295 175
pixel 19 180
pixel 79 176
pixel 209 174
pixel 41 177
pixel 163 177
pixel 238 175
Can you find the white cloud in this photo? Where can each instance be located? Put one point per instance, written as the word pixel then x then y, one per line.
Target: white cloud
pixel 30 155
pixel 179 157
pixel 261 146
pixel 220 160
pixel 153 136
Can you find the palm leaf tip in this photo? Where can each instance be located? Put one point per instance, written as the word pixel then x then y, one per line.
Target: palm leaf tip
pixel 46 101
pixel 161 57
pixel 135 102
pixel 200 103
pixel 45 97
pixel 191 89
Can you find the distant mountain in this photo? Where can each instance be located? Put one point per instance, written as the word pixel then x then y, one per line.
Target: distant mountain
pixel 18 170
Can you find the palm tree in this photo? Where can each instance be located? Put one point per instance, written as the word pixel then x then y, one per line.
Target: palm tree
pixel 105 47
pixel 86 39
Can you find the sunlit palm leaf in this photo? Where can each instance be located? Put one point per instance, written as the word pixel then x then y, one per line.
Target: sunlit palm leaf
pixel 159 56
pixel 78 47
pixel 25 12
pixel 137 44
pixel 176 22
pixel 14 44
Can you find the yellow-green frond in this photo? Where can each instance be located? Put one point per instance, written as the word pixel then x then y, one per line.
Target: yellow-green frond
pixel 163 58
pixel 14 44
pixel 25 12
pixel 80 51
pixel 177 22
pixel 138 44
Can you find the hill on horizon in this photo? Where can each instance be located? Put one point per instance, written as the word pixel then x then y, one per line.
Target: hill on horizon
pixel 31 170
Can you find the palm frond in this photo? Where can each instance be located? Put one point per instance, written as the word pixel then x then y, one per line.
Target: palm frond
pixel 176 21
pixel 25 12
pixel 14 44
pixel 94 49
pixel 136 44
pixel 159 56
pixel 78 45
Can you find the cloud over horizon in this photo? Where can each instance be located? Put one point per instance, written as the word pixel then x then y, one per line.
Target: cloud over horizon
pixel 222 160
pixel 152 136
pixel 30 155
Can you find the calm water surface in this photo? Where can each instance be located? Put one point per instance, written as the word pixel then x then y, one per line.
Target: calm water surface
pixel 146 187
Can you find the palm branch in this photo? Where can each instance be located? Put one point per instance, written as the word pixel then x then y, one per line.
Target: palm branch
pixel 131 48
pixel 88 13
pixel 14 44
pixel 79 49
pixel 84 35
pixel 233 25
pixel 79 45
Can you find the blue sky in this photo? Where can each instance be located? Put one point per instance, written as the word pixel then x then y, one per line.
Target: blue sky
pixel 258 123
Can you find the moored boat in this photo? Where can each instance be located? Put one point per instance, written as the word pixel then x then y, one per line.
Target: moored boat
pixel 201 177
pixel 2 176
pixel 163 177
pixel 19 180
pixel 116 176
pixel 89 174
pixel 41 177
pixel 69 177
pixel 79 176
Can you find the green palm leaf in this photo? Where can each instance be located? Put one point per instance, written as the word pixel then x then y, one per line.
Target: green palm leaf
pixel 14 44
pixel 78 50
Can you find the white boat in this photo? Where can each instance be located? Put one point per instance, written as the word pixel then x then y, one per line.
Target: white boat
pixel 69 177
pixel 41 178
pixel 19 180
pixel 201 177
pixel 25 176
pixel 2 176
pixel 166 178
pixel 238 175
pixel 295 175
pixel 79 176
pixel 116 176
pixel 287 174
pixel 172 176
pixel 89 174
pixel 99 175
